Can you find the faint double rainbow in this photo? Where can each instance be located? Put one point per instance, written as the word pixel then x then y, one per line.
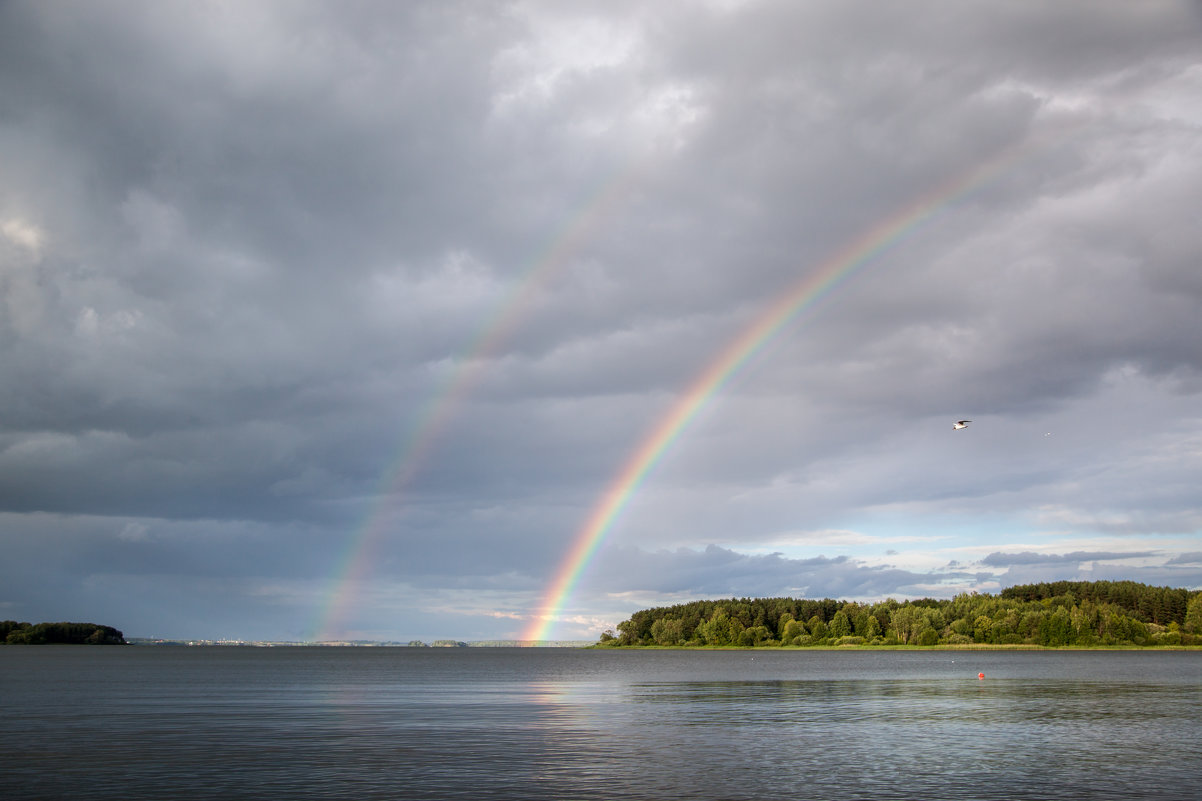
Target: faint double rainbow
pixel 354 565
pixel 802 295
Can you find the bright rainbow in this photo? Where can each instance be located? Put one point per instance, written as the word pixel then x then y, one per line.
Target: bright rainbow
pixel 355 565
pixel 801 296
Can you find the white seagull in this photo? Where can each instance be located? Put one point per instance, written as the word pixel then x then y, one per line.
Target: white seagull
pixel 960 424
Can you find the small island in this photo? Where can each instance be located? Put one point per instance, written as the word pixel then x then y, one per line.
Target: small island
pixel 14 633
pixel 1090 614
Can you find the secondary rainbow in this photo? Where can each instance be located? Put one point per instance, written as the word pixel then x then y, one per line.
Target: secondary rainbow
pixel 354 566
pixel 802 295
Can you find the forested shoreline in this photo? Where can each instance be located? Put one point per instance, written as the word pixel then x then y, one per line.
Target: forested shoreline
pixel 1052 614
pixel 14 633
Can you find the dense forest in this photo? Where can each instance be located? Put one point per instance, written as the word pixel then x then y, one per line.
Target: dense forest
pixel 14 633
pixel 1095 613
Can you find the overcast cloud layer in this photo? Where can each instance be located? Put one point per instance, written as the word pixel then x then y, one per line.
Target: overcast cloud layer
pixel 250 253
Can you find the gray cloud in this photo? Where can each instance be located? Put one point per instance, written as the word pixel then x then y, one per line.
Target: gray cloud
pixel 720 572
pixel 279 280
pixel 1157 576
pixel 998 559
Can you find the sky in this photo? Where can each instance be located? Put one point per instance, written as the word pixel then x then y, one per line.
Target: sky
pixel 469 320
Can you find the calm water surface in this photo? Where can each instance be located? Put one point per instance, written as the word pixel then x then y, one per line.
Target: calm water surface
pixel 139 722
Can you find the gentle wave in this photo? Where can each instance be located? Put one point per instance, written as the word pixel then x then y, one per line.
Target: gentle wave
pixel 300 723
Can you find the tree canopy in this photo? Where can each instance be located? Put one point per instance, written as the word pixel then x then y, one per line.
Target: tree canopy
pixel 1097 613
pixel 14 633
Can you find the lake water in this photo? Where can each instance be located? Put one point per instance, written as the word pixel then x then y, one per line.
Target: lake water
pixel 137 722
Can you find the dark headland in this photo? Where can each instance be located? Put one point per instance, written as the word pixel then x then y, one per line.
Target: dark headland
pixel 14 633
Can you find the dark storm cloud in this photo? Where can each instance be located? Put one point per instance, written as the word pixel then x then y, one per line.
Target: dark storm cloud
pixel 242 208
pixel 253 258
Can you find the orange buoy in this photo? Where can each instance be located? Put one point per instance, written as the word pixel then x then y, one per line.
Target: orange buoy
pixel 980 675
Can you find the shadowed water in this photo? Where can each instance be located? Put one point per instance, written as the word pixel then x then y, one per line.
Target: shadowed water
pixel 394 723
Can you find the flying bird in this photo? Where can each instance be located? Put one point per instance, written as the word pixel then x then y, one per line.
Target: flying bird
pixel 961 424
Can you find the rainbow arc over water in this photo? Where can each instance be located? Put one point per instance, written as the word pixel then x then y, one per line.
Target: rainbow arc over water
pixel 359 554
pixel 802 295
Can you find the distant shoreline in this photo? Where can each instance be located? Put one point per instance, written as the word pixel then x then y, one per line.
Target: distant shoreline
pixel 589 645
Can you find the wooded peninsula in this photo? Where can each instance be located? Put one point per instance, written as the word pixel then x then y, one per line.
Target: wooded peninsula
pixel 1052 614
pixel 14 633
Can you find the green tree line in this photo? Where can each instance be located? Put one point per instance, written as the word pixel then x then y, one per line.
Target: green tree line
pixel 14 633
pixel 1096 613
